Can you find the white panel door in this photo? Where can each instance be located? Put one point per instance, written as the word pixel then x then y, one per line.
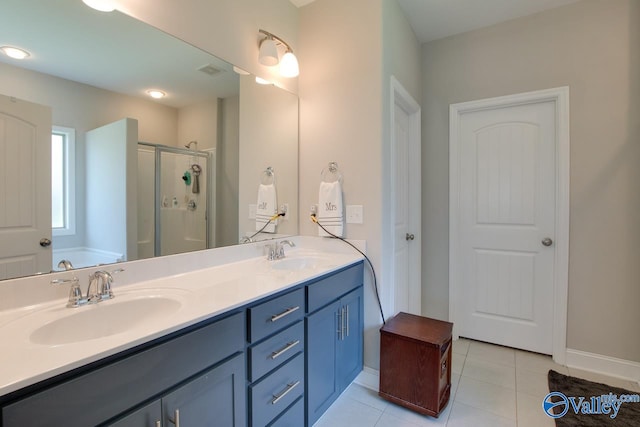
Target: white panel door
pixel 507 225
pixel 405 293
pixel 25 188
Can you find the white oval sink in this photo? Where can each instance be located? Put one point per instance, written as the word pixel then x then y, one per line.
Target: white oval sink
pixel 298 263
pixel 104 319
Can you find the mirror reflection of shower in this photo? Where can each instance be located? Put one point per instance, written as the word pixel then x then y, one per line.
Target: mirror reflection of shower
pixel 173 199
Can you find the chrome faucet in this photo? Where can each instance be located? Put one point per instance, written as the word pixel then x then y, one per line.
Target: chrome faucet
pixel 99 288
pixel 66 264
pixel 280 248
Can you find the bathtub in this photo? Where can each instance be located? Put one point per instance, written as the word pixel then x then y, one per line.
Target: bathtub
pixel 84 257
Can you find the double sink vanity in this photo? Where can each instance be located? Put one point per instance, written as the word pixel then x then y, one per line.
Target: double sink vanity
pixel 223 337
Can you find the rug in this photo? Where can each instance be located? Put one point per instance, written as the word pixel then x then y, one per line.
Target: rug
pixel 601 404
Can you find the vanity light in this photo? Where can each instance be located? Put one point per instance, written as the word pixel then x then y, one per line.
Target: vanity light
pixel 14 52
pixel 157 94
pixel 101 5
pixel 268 55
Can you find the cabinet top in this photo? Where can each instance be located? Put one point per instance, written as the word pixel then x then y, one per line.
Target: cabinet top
pixel 419 328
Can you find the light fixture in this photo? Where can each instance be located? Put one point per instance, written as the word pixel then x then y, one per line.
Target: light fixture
pixel 240 71
pixel 15 52
pixel 268 55
pixel 101 5
pixel 155 93
pixel 262 81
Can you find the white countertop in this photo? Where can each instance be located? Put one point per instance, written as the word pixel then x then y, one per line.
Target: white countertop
pixel 196 295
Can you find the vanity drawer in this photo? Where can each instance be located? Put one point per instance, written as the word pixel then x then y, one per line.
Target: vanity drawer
pixel 332 287
pixel 277 391
pixel 271 353
pixel 293 417
pixel 275 314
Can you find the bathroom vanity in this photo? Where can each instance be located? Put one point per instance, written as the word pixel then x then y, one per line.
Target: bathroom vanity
pixel 287 344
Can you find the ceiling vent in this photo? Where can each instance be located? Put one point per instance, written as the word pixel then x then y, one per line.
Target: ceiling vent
pixel 210 70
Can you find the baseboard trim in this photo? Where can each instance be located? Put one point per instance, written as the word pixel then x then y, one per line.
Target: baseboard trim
pixel 605 365
pixel 369 378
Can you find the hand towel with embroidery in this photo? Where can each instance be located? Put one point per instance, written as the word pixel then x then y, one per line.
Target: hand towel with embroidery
pixel 267 206
pixel 330 208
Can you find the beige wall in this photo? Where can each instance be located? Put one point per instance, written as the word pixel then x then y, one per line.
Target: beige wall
pixel 198 122
pixel 593 47
pixel 340 88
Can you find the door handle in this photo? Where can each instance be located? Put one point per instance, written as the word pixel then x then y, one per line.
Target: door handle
pixel 176 418
pixel 547 241
pixel 44 242
pixel 410 236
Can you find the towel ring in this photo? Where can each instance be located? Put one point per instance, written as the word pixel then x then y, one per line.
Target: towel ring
pixel 268 176
pixel 331 173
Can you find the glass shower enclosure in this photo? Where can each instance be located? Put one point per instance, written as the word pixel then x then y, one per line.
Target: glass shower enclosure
pixel 173 200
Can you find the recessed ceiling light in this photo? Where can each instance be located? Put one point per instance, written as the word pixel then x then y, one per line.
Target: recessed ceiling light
pixel 157 94
pixel 14 52
pixel 101 5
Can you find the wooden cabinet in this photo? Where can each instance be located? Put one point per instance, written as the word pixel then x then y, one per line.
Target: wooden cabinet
pixel 334 339
pixel 415 363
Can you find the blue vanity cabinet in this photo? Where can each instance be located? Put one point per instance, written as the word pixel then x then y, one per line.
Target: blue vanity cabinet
pixel 334 335
pixel 275 334
pixel 201 368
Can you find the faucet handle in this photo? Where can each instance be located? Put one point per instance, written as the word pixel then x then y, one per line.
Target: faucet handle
pixel 270 249
pixel 75 294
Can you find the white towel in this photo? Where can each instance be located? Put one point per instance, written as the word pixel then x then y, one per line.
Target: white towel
pixel 267 206
pixel 330 208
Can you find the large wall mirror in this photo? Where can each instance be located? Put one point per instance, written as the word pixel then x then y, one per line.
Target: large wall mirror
pixel 110 174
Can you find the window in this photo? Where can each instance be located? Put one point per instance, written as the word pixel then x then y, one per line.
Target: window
pixel 63 165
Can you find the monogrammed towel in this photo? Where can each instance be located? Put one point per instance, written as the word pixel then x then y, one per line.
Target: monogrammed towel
pixel 267 205
pixel 330 208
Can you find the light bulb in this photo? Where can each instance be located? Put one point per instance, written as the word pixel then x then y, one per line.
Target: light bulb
pixel 14 52
pixel 289 65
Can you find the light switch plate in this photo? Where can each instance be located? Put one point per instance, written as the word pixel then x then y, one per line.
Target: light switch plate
pixel 355 214
pixel 252 211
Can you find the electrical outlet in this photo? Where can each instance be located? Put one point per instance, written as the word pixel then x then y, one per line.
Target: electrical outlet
pixel 284 208
pixel 355 214
pixel 252 211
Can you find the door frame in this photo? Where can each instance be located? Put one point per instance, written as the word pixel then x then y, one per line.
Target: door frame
pixel 560 97
pixel 401 97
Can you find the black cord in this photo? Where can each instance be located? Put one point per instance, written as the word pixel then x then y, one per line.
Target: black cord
pixel 373 271
pixel 265 225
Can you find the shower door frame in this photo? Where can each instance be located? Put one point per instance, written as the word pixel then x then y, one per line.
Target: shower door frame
pixel 210 193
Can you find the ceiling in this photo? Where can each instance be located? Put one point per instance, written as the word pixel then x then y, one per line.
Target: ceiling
pixel 111 51
pixel 435 19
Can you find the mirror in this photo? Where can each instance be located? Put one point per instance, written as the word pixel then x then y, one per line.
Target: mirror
pixel 199 154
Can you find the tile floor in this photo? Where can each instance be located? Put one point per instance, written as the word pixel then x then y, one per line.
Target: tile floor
pixel 491 386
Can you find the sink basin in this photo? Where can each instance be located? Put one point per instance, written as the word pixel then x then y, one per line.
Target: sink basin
pixel 298 263
pixel 104 319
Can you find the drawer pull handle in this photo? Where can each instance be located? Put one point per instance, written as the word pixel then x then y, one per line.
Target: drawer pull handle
pixel 277 397
pixel 176 418
pixel 443 368
pixel 284 313
pixel 283 350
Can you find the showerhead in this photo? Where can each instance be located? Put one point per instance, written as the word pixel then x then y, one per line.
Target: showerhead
pixel 192 142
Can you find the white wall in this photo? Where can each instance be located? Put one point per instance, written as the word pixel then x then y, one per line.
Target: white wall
pixel 227 179
pixel 267 139
pixel 592 46
pixel 226 28
pixel 340 88
pixel 198 122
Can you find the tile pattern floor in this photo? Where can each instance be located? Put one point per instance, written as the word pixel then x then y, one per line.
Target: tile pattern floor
pixel 491 386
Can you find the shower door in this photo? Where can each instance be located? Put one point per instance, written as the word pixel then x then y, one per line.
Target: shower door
pixel 173 202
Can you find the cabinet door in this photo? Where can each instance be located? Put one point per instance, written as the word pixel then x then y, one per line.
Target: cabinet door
pixel 349 349
pixel 216 398
pixel 147 416
pixel 322 338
